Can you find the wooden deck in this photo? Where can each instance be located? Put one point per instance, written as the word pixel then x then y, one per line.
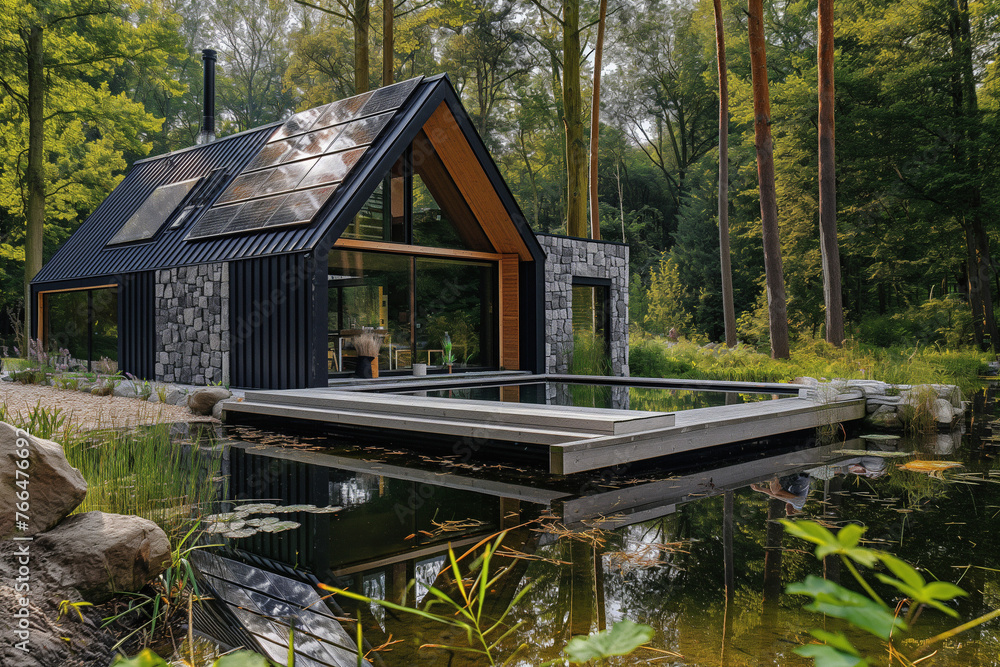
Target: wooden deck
pixel 577 439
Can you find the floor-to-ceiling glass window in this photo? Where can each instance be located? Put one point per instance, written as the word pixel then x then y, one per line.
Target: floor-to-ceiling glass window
pixel 452 300
pixel 84 323
pixel 455 301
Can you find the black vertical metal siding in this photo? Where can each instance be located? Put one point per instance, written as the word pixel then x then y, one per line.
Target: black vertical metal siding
pixel 137 332
pixel 276 311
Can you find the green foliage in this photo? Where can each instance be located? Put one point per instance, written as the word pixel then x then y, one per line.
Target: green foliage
pixel 866 611
pixel 143 472
pixel 237 659
pixel 623 638
pixel 66 606
pixel 859 610
pixel 464 611
pixel 590 354
pixel 666 298
pixel 145 659
pixel 656 357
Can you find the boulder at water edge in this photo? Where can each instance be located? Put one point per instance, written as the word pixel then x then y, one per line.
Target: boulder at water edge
pixel 54 487
pixel 100 554
pixel 202 401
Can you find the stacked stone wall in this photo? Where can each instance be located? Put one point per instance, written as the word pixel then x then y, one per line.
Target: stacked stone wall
pixel 569 258
pixel 192 324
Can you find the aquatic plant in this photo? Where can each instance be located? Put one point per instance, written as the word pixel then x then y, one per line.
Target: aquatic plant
pixel 868 612
pixel 465 609
pixel 484 634
pixel 143 472
pixel 173 591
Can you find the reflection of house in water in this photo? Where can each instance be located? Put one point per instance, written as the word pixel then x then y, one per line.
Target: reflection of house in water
pixel 397 522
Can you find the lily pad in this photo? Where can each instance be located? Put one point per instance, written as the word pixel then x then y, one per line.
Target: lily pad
pixel 257 508
pixel 879 436
pixel 279 527
pixel 243 532
pixel 217 518
pixel 294 508
pixel 325 510
pixel 267 520
pixel 215 528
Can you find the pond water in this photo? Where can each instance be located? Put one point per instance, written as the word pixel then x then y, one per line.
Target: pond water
pixel 650 546
pixel 594 395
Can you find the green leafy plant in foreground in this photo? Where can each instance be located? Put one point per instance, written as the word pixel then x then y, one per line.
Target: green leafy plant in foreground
pixel 239 659
pixel 176 585
pixel 466 612
pixel 868 611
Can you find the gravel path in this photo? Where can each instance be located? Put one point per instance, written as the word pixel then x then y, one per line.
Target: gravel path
pixel 92 412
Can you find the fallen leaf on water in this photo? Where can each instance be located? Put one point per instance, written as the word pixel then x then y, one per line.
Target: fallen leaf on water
pixel 932 468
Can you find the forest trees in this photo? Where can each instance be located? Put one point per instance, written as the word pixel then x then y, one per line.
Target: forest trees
pixel 63 127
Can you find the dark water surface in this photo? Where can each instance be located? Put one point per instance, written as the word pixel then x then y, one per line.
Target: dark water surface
pixel 632 543
pixel 664 399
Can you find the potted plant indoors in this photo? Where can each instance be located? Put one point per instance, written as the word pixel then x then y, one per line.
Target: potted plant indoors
pixel 367 344
pixel 447 356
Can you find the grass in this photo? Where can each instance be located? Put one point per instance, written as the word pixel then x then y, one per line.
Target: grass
pixel 143 472
pixel 654 357
pixel 138 471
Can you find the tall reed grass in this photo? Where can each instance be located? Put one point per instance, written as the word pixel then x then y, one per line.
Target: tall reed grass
pixel 144 472
pixel 657 357
pixel 141 471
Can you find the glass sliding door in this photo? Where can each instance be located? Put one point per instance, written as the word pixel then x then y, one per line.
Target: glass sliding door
pixel 417 302
pixel 84 323
pixel 456 301
pixel 370 290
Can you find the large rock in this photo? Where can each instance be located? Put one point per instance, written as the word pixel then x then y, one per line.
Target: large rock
pixel 54 487
pixel 884 417
pixel 944 412
pixel 100 554
pixel 202 401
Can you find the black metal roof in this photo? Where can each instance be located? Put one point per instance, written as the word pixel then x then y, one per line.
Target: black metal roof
pixel 86 254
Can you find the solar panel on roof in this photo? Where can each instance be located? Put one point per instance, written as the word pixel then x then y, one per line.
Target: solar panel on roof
pixel 310 145
pixel 360 132
pixel 310 150
pixel 286 177
pixel 390 97
pixel 332 168
pixel 343 110
pixel 214 222
pixel 299 123
pixel 254 214
pixel 300 207
pixel 153 213
pixel 243 186
pixel 269 156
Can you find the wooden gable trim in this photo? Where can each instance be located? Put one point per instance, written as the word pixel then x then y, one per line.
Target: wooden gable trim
pixel 460 160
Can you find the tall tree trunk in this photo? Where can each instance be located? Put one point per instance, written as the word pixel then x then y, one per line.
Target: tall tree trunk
pixel 35 173
pixel 576 144
pixel 728 309
pixel 362 21
pixel 388 42
pixel 595 125
pixel 774 273
pixel 832 293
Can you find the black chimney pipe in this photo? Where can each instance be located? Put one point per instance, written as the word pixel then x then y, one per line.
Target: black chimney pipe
pixel 208 120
